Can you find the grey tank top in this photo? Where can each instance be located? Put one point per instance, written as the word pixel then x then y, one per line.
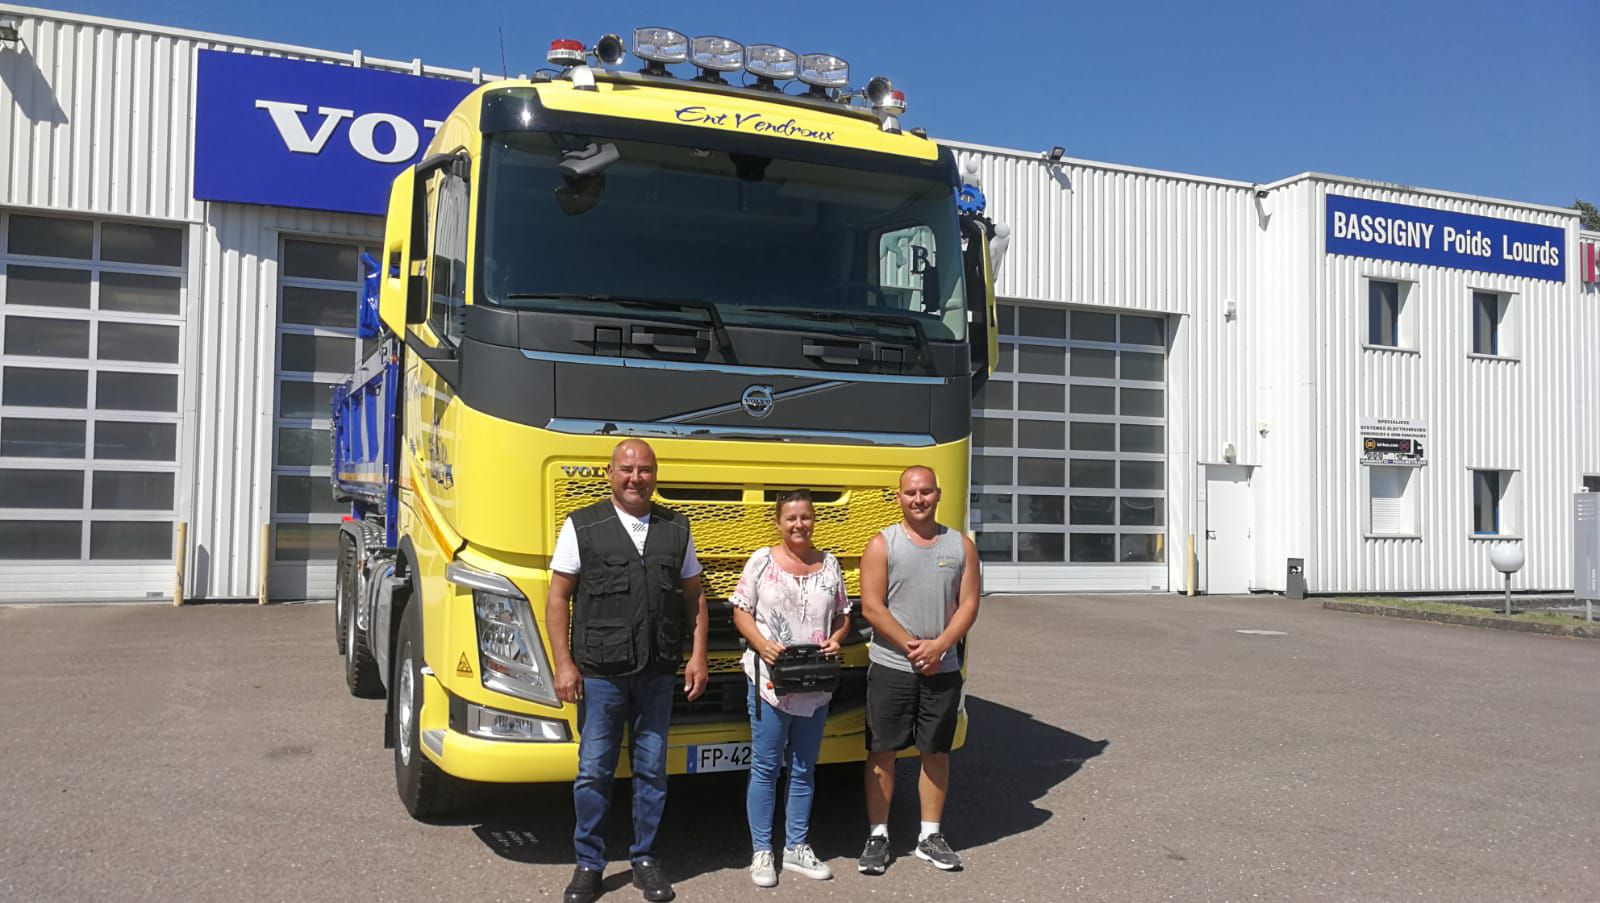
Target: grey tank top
pixel 924 588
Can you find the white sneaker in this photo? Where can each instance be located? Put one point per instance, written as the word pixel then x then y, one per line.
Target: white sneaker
pixel 761 870
pixel 802 860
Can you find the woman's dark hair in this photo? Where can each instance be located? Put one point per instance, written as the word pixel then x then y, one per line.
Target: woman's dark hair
pixel 793 495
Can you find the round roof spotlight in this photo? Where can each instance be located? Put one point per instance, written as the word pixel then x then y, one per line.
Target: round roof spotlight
pixel 658 47
pixel 770 64
pixel 609 50
pixel 893 105
pixel 714 55
pixel 565 52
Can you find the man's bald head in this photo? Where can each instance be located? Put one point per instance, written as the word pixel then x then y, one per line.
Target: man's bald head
pixel 633 476
pixel 917 473
pixel 633 447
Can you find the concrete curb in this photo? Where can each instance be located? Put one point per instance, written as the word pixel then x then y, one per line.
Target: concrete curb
pixel 1581 631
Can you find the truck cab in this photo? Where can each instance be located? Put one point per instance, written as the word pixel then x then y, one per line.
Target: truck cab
pixel 775 289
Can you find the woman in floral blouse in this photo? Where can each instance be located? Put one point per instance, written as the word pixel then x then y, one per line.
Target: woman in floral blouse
pixel 789 594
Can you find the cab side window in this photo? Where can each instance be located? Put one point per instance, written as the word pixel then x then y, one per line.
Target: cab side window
pixel 448 260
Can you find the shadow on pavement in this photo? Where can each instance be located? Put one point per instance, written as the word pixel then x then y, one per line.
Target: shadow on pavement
pixel 1010 762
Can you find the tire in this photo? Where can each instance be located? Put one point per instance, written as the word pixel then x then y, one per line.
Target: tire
pixel 425 791
pixel 360 670
pixel 342 594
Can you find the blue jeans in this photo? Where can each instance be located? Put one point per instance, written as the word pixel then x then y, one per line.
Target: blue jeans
pixel 642 702
pixel 778 738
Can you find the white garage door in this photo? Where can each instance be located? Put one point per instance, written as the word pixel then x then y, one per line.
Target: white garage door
pixel 318 288
pixel 1069 453
pixel 91 365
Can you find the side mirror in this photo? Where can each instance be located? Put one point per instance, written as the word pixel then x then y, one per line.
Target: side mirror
pixel 983 334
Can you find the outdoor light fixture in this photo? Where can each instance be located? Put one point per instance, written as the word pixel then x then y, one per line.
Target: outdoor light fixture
pixel 1054 155
pixel 658 47
pixel 8 30
pixel 713 55
pixel 565 52
pixel 823 71
pixel 770 64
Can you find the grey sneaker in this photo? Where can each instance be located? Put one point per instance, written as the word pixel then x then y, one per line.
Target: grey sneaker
pixel 875 857
pixel 934 849
pixel 761 871
pixel 801 859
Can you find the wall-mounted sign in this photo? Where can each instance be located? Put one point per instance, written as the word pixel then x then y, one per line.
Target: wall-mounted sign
pixel 1589 261
pixel 297 133
pixel 1386 441
pixel 1363 228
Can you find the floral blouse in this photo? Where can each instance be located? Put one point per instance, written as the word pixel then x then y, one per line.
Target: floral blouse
pixel 791 610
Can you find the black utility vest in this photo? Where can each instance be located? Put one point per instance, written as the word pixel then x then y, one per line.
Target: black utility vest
pixel 627 615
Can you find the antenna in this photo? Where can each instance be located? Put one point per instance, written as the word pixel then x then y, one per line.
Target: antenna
pixel 504 72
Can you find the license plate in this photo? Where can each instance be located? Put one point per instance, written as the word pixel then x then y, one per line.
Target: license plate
pixel 719 757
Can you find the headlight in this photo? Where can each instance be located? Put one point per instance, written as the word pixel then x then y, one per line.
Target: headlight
pixel 511 656
pixel 492 724
pixel 824 70
pixel 716 53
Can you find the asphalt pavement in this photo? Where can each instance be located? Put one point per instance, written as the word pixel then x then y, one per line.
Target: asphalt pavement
pixel 1122 748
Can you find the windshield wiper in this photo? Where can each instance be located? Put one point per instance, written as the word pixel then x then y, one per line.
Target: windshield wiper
pixel 859 315
pixel 718 329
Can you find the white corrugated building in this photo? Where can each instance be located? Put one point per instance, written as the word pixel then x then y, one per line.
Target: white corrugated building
pixel 1189 362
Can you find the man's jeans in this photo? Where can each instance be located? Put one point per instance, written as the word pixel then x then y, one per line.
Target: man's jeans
pixel 778 738
pixel 643 703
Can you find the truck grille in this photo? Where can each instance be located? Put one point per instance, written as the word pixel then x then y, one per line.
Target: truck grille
pixel 731 522
pixel 727 698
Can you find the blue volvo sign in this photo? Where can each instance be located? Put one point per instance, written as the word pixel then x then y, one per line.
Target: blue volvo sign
pixel 295 133
pixel 1363 228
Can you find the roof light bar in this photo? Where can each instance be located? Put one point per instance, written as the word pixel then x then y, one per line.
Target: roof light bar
pixel 823 71
pixel 894 104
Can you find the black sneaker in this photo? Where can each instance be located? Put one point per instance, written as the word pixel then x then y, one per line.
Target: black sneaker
pixel 584 886
pixel 934 849
pixel 875 857
pixel 651 880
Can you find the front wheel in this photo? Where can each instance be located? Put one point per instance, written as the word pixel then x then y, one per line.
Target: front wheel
pixel 425 791
pixel 360 669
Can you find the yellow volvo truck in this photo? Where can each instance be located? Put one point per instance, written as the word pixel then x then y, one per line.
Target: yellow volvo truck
pixel 775 288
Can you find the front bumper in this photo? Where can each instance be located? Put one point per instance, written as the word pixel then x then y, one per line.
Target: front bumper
pixel 520 762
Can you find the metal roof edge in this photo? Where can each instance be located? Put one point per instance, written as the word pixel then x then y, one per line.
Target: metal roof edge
pixel 1097 164
pixel 1311 176
pixel 353 58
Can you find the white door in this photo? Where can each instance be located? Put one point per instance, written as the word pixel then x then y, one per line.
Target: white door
pixel 1229 548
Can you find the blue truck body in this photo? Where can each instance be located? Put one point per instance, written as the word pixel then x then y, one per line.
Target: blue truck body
pixel 366 414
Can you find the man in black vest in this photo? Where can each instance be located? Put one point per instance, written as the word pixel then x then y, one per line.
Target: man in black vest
pixel 627 568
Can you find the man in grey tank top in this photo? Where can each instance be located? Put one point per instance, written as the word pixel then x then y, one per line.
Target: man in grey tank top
pixel 919 591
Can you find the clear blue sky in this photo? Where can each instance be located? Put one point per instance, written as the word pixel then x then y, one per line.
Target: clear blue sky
pixel 1492 98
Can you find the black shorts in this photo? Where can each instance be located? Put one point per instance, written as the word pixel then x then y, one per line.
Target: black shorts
pixel 903 708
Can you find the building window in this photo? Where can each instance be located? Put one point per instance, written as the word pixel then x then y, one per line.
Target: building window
pixel 1485 323
pixel 1591 483
pixel 1385 301
pixel 1492 325
pixel 1492 508
pixel 1392 501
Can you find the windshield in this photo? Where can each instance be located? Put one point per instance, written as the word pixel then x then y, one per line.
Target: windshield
pixel 770 242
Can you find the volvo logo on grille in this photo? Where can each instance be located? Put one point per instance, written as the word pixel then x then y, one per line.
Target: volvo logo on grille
pixel 757 401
